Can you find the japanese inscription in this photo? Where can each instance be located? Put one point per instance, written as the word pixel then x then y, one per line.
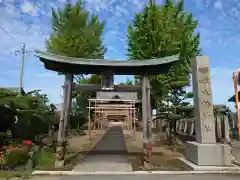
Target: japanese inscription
pixel 207 127
pixel 203 70
pixel 205 94
pixel 204 84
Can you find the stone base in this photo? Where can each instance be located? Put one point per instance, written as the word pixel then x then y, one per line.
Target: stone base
pixel 59 163
pixel 211 169
pixel 208 154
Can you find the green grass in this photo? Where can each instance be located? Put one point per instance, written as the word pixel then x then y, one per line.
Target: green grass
pixel 44 160
pixel 10 174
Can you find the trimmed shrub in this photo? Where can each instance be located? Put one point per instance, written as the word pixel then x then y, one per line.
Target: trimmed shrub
pixel 16 157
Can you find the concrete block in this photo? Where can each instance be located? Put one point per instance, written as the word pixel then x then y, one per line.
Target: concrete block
pixel 208 154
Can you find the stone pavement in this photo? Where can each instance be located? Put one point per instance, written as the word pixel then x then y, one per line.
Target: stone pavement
pixel 110 154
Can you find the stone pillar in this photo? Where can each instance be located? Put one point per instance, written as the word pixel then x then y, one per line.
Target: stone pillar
pixel 181 126
pixel 69 78
pixel 219 127
pixel 234 125
pixel 185 126
pixel 205 151
pixel 146 119
pixel 226 129
pixel 59 162
pixel 177 125
pixel 192 127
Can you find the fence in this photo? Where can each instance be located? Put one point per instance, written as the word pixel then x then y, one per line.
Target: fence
pixel 225 127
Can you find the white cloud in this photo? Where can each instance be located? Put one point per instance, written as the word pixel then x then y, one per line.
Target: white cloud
pixel 28 7
pixel 218 5
pixel 34 33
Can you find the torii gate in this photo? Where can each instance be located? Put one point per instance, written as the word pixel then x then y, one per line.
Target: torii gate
pixel 70 66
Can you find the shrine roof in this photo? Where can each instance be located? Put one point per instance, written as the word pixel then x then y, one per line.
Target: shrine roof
pixel 98 66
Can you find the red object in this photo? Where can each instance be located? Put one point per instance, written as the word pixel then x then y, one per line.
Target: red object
pixel 11 147
pixel 150 148
pixel 27 142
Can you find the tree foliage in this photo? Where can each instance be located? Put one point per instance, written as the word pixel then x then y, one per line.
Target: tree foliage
pixel 161 31
pixel 25 116
pixel 81 102
pixel 76 33
pixel 127 82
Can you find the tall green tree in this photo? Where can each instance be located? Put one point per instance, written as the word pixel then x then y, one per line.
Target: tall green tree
pixel 161 31
pixel 76 33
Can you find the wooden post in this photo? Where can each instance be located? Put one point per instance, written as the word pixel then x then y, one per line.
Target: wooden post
pixel 94 121
pixel 89 120
pixel 134 122
pixel 131 118
pixel 95 115
pixel 132 110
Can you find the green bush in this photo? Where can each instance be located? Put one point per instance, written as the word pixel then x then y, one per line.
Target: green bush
pixel 16 157
pixel 44 159
pixel 3 135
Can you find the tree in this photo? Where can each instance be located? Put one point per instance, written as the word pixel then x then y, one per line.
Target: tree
pixel 161 31
pixel 76 33
pixel 81 102
pixel 22 114
pixel 128 82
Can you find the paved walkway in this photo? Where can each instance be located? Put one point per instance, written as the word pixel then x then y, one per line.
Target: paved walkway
pixel 110 154
pixel 236 150
pixel 143 177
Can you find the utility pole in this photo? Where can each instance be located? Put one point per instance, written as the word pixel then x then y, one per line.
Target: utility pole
pixel 23 52
pixel 21 69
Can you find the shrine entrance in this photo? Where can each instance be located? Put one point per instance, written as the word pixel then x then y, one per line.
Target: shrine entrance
pixel 113 104
pixel 114 111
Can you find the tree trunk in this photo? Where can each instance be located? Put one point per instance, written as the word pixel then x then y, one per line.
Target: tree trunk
pixel 170 133
pixel 174 141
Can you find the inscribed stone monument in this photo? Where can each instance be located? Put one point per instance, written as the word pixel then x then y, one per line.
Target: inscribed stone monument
pixel 205 133
pixel 205 151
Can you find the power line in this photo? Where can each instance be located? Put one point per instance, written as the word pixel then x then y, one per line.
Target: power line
pixel 3 30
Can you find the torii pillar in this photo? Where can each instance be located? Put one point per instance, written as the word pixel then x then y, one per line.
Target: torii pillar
pixel 146 119
pixel 64 121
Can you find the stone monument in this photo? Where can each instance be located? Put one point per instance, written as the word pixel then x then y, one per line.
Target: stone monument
pixel 205 151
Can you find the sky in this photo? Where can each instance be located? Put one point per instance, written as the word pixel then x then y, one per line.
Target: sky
pixel 29 22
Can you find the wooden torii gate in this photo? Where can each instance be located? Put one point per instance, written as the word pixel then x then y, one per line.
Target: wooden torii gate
pixel 125 112
pixel 70 66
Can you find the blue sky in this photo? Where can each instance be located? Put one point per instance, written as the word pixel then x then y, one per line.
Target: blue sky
pixel 29 21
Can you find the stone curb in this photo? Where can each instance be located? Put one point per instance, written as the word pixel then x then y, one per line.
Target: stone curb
pixel 78 173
